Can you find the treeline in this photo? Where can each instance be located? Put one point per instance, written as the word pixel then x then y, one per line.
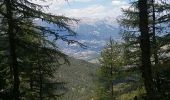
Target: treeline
pixel 28 56
pixel 138 66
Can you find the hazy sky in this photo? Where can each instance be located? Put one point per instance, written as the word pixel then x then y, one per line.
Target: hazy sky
pixel 93 9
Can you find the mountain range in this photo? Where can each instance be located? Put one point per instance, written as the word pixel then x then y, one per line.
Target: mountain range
pixel 94 34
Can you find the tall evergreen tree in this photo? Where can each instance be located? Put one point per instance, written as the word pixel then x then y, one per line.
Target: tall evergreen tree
pixel 12 49
pixel 157 30
pixel 145 48
pixel 111 63
pixel 17 17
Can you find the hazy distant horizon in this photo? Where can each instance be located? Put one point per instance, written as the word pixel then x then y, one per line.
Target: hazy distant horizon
pixel 97 24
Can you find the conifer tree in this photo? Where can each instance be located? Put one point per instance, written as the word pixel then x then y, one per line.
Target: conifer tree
pixel 21 36
pixel 157 30
pixel 145 48
pixel 111 64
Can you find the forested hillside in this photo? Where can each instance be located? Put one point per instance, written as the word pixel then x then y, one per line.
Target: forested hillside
pixel 79 78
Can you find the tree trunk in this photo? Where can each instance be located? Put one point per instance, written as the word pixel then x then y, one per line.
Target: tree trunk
pixel 145 48
pixel 12 49
pixel 154 34
pixel 40 74
pixel 111 82
pixel 155 48
pixel 41 84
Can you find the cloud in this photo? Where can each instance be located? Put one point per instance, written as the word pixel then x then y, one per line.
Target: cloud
pixel 93 11
pixel 116 2
pixel 83 1
pixel 59 3
pixel 96 10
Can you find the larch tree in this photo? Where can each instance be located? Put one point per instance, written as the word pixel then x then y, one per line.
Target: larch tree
pixel 111 61
pixel 145 48
pixel 19 33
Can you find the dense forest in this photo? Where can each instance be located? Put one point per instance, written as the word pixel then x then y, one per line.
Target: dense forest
pixel 33 67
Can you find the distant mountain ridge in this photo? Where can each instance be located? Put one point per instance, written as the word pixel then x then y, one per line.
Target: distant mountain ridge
pixel 93 35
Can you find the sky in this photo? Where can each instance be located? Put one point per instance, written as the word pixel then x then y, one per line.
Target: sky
pixel 89 9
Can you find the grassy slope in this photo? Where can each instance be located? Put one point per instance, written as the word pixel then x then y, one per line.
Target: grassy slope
pixel 79 78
